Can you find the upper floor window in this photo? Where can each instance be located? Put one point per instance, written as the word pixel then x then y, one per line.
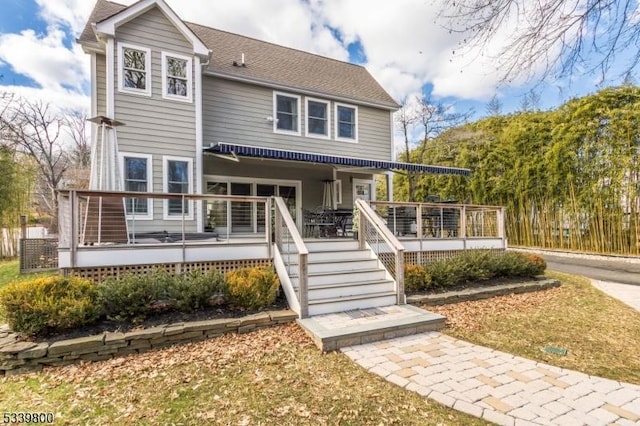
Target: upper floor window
pixel 178 179
pixel 176 77
pixel 137 177
pixel 134 69
pixel 318 122
pixel 287 113
pixel 346 122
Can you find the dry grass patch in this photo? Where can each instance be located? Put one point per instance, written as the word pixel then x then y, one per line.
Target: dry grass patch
pixel 271 376
pixel 601 334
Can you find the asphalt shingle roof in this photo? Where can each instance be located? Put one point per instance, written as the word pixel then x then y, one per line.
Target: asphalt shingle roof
pixel 271 64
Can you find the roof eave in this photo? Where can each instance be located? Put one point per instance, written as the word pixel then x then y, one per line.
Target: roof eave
pixel 107 27
pixel 302 90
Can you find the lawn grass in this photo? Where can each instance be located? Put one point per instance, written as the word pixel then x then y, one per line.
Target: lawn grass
pixel 10 272
pixel 270 376
pixel 601 334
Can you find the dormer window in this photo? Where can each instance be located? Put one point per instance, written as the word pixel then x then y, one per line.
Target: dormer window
pixel 287 113
pixel 134 69
pixel 176 77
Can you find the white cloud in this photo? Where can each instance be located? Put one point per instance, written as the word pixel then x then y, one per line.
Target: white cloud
pixel 71 13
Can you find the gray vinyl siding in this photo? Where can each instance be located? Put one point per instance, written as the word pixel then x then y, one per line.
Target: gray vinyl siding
pixel 235 112
pixel 101 84
pixel 154 125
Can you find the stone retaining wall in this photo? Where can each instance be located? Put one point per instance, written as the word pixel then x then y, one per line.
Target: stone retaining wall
pixel 479 293
pixel 17 357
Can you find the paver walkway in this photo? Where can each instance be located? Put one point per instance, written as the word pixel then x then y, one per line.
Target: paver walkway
pixel 627 293
pixel 496 386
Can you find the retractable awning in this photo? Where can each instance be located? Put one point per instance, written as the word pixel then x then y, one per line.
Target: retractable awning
pixel 279 154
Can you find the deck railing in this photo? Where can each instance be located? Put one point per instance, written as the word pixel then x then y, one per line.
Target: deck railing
pixel 293 252
pixel 103 218
pixel 441 220
pixel 373 232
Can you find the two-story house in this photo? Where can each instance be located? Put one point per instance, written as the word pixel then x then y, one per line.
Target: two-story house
pixel 224 144
pixel 208 111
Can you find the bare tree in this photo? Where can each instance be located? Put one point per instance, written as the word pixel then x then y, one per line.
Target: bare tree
pixel 530 101
pixel 494 106
pixel 553 36
pixel 433 118
pixel 405 120
pixel 35 130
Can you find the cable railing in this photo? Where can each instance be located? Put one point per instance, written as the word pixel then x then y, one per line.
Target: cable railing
pixel 293 252
pixel 441 220
pixel 374 234
pixel 103 218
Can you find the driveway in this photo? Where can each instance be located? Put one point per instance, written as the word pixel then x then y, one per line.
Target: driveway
pixel 613 270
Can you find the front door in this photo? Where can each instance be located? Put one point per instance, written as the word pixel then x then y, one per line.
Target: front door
pixel 363 190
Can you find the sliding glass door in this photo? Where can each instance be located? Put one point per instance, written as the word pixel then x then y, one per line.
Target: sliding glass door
pixel 247 217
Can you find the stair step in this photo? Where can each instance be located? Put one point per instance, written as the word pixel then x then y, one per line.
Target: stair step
pixel 337 290
pixel 347 303
pixel 335 266
pixel 321 278
pixel 331 255
pixel 415 320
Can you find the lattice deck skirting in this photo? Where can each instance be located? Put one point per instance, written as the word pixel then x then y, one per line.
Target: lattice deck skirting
pixel 97 274
pixel 425 257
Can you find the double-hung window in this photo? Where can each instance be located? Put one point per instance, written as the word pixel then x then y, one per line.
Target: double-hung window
pixel 134 69
pixel 318 121
pixel 137 177
pixel 287 113
pixel 346 122
pixel 178 179
pixel 176 77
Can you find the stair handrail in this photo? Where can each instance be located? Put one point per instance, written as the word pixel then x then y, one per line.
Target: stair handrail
pixel 366 215
pixel 283 217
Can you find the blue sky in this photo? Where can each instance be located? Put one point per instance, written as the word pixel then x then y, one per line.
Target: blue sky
pixel 399 44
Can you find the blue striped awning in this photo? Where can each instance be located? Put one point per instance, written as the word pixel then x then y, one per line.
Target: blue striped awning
pixel 278 154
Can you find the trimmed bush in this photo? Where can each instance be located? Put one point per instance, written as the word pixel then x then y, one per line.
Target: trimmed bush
pixel 134 297
pixel 481 265
pixel 44 305
pixel 193 290
pixel 252 287
pixel 416 278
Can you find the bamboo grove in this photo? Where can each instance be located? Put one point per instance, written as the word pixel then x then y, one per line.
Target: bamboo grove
pixel 569 178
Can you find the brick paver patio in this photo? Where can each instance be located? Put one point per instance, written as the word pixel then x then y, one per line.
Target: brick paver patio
pixel 497 386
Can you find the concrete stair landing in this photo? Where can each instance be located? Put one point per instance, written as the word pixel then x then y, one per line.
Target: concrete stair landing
pixel 337 330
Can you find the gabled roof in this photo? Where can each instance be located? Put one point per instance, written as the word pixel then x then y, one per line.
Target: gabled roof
pixel 270 64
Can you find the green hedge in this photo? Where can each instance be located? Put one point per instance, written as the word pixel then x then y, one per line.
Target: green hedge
pixel 472 266
pixel 54 304
pixel 49 304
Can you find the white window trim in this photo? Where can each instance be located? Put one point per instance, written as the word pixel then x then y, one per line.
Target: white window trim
pixel 165 186
pixel 275 114
pixel 165 95
pixel 149 158
pixel 337 189
pixel 307 117
pixel 337 122
pixel 147 66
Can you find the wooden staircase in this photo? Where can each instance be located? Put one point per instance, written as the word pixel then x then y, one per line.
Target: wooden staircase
pixel 341 277
pixel 105 221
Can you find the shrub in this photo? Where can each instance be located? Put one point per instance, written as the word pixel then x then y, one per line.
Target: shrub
pixel 416 278
pixel 537 264
pixel 43 305
pixel 252 287
pixel 193 290
pixel 133 297
pixel 480 265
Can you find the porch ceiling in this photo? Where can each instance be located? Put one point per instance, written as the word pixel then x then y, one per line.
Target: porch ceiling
pixel 258 152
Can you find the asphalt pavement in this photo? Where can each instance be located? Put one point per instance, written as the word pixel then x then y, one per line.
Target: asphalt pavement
pixel 612 270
